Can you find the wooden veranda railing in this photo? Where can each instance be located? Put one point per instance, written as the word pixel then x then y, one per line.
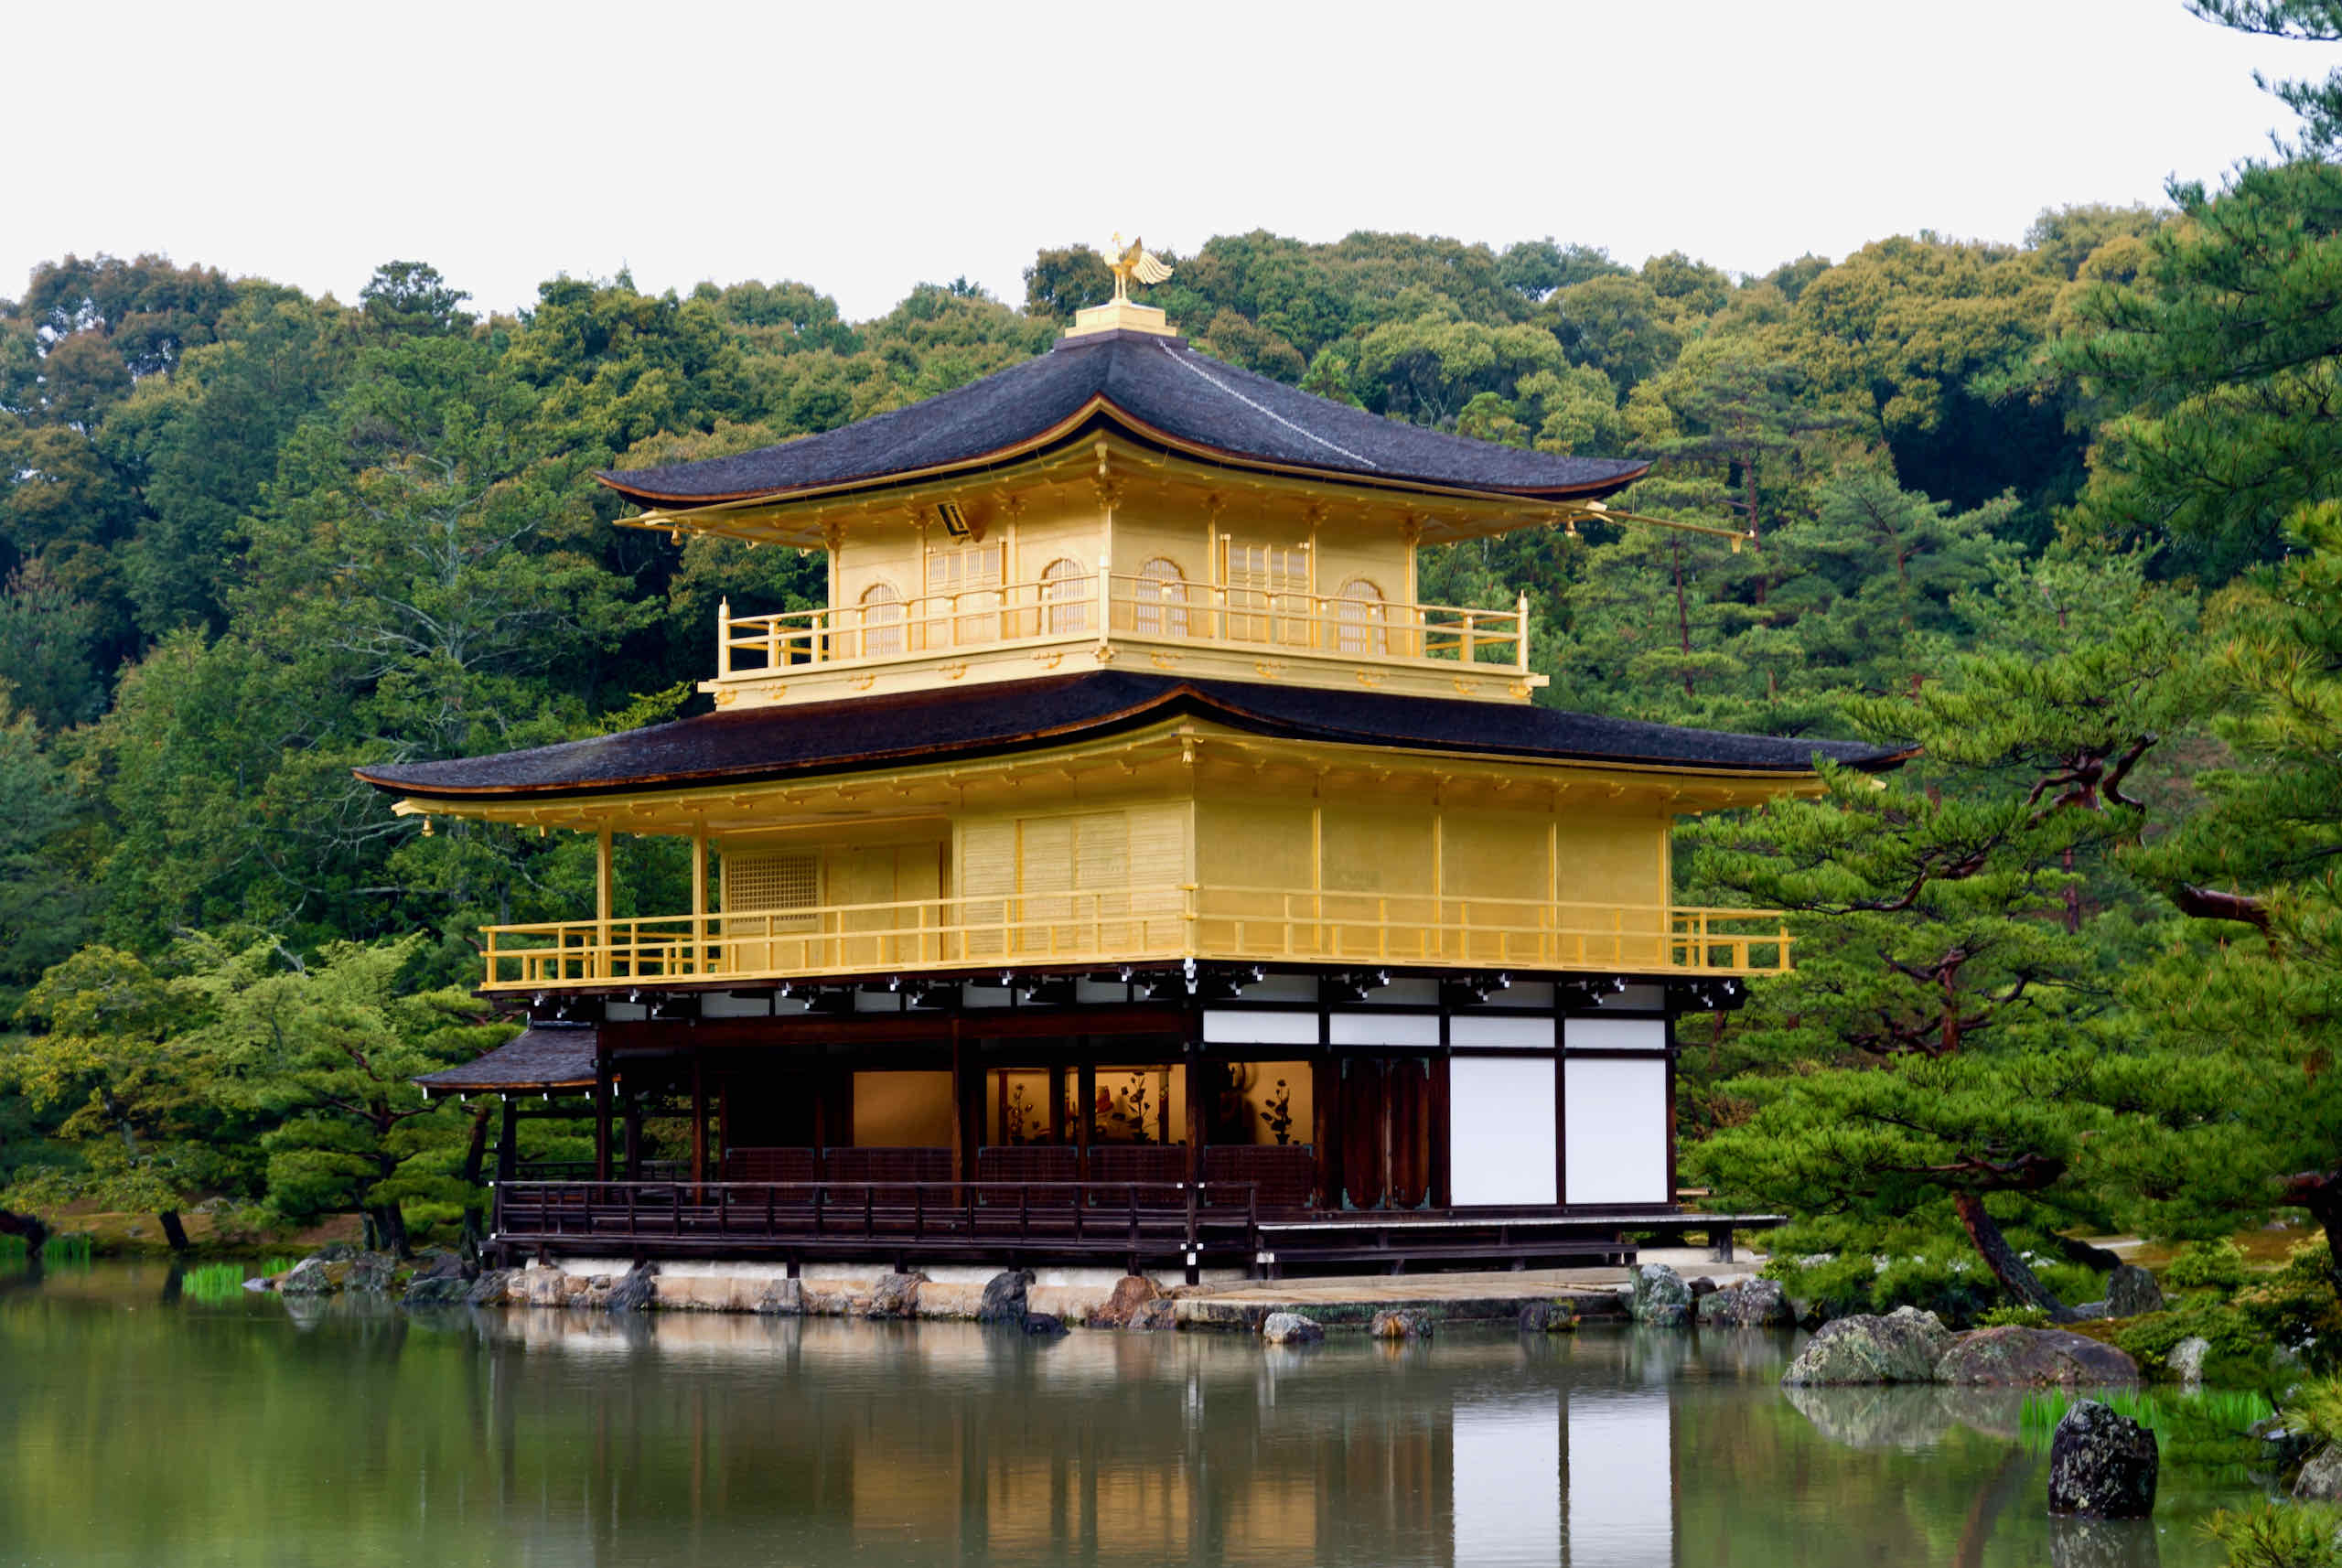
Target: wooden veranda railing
pixel 1122 925
pixel 1346 626
pixel 1129 1219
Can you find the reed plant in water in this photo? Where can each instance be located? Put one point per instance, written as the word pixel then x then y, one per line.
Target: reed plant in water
pixel 213 1281
pixel 73 1251
pixel 2204 1428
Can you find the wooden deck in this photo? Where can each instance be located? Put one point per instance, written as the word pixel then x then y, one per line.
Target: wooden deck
pixel 1133 1224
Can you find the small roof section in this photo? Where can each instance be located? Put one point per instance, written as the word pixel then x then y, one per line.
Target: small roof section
pixel 540 1058
pixel 749 744
pixel 1154 389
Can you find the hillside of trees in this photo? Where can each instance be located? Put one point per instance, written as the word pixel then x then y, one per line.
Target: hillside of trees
pixel 2064 512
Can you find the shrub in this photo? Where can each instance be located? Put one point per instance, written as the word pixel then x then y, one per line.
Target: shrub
pixel 2296 1305
pixel 2208 1265
pixel 2014 1317
pixel 2278 1535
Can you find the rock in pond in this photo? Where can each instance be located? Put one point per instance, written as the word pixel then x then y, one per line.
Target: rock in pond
pixel 1748 1304
pixel 1291 1329
pixel 1043 1323
pixel 371 1273
pixel 2101 1464
pixel 1661 1298
pixel 310 1276
pixel 1005 1297
pixel 1390 1324
pixel 1131 1292
pixel 2014 1358
pixel 2186 1361
pixel 1901 1347
pixel 2131 1292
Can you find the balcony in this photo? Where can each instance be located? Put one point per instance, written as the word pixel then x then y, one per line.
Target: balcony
pixel 1203 628
pixel 1127 925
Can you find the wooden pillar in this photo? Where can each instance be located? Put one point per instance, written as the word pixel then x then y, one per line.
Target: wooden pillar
pixel 508 1141
pixel 1325 1127
pixel 633 1137
pixel 699 903
pixel 967 1106
pixel 601 1115
pixel 1194 1055
pixel 1056 1104
pixel 699 1119
pixel 1442 1190
pixel 602 899
pixel 1085 1092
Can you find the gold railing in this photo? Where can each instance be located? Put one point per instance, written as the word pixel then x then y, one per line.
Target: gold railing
pixel 1173 611
pixel 1244 924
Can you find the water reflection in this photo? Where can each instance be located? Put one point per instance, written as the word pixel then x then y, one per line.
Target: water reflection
pixel 132 1432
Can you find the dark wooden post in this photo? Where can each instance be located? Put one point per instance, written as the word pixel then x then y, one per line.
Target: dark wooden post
pixel 699 1120
pixel 1196 1071
pixel 508 1141
pixel 601 1115
pixel 1085 1089
pixel 967 1104
pixel 633 1136
pixel 1325 1127
pixel 1057 1103
pixel 1443 1194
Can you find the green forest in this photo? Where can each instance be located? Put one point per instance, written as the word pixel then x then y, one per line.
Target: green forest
pixel 2067 513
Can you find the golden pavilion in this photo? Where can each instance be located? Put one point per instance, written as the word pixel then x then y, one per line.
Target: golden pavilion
pixel 1124 865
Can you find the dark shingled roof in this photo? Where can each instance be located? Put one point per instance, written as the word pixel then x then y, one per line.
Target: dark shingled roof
pixel 1154 388
pixel 746 745
pixel 541 1056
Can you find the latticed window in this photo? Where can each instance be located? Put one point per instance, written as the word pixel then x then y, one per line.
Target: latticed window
pixel 882 622
pixel 1358 619
pixel 774 881
pixel 1262 580
pixel 1065 597
pixel 1160 608
pixel 970 572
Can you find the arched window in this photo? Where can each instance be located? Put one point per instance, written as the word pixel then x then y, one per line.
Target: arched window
pixel 1160 605
pixel 1065 597
pixel 1358 619
pixel 882 622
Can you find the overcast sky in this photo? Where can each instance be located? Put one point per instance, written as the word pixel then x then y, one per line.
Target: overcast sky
pixel 865 147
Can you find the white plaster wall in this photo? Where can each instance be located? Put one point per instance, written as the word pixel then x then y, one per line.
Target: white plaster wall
pixel 1616 1123
pixel 1500 1129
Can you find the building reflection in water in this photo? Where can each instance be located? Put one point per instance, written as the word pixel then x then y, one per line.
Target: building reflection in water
pixel 941 1444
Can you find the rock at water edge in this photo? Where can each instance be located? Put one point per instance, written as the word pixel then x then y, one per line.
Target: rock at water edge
pixel 1155 1317
pixel 1131 1292
pixel 2014 1357
pixel 2321 1477
pixel 636 1290
pixel 1901 1347
pixel 1661 1298
pixel 490 1288
pixel 2186 1361
pixel 1750 1303
pixel 1391 1323
pixel 370 1274
pixel 1291 1329
pixel 1043 1323
pixel 1556 1317
pixel 896 1295
pixel 1005 1297
pixel 2101 1464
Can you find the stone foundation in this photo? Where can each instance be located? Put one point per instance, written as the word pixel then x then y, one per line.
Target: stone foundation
pixel 945 1291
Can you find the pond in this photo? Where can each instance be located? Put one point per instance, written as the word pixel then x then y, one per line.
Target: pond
pixel 137 1428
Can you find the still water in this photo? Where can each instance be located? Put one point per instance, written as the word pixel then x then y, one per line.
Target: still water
pixel 137 1430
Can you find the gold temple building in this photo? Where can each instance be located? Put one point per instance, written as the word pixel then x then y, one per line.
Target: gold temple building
pixel 1124 865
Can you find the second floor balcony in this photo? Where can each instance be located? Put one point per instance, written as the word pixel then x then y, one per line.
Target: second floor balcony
pixel 999 632
pixel 1137 924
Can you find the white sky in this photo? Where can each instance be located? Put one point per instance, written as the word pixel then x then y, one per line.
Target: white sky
pixel 865 147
